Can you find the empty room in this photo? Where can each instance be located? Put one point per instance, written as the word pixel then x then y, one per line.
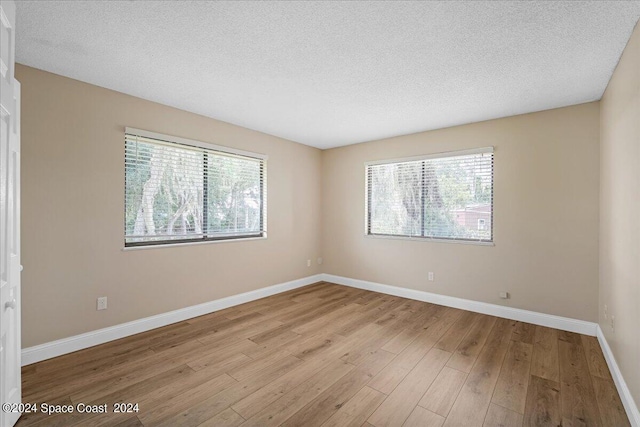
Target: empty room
pixel 319 213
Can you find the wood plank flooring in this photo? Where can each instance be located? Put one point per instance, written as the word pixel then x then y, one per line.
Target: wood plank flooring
pixel 328 355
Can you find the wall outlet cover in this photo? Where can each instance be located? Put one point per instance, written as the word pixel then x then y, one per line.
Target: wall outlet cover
pixel 102 303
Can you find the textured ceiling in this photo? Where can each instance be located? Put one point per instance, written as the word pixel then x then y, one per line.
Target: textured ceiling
pixel 328 74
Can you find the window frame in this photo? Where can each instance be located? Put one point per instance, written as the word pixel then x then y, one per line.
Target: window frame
pixel 176 140
pixel 446 154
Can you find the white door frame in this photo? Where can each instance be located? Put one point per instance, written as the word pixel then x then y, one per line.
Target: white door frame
pixel 10 268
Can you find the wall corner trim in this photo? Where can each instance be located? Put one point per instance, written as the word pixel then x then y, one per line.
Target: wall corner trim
pixel 542 319
pixel 89 339
pixel 623 390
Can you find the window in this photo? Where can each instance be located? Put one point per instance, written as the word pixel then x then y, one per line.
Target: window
pixel 179 191
pixel 442 196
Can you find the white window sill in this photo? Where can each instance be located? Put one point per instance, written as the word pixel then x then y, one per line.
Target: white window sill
pixel 429 239
pixel 173 245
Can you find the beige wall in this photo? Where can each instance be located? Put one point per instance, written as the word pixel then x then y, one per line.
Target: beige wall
pixel 73 209
pixel 620 213
pixel 545 221
pixel 546 214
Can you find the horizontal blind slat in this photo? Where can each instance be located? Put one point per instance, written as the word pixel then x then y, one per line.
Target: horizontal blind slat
pixel 433 197
pixel 174 192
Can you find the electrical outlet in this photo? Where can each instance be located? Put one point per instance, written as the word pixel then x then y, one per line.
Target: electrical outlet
pixel 504 295
pixel 102 303
pixel 308 263
pixel 431 276
pixel 320 260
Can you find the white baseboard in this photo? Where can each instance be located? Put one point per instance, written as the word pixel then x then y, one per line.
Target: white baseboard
pixel 549 320
pixel 78 342
pixel 625 394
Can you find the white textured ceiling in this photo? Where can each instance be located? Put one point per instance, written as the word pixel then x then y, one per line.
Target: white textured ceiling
pixel 328 74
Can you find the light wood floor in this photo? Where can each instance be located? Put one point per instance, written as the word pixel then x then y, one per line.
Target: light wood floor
pixel 328 355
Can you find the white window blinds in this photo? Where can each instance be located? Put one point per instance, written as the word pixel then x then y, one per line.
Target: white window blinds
pixel 178 190
pixel 444 196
